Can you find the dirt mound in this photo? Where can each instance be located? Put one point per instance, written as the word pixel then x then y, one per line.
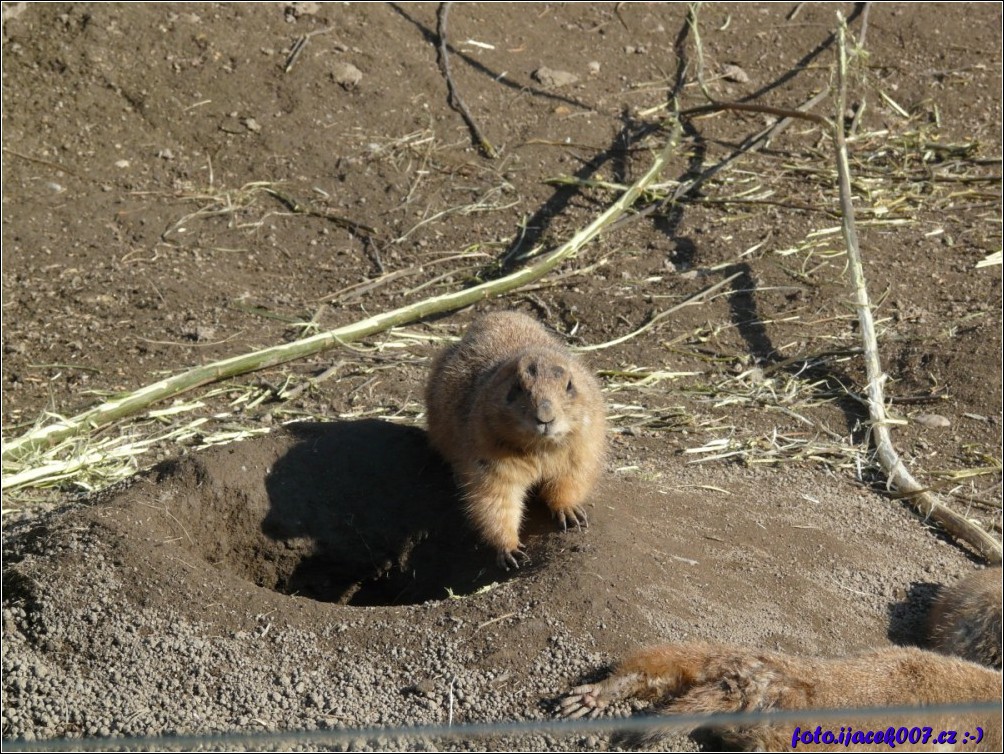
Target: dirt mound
pixel 358 513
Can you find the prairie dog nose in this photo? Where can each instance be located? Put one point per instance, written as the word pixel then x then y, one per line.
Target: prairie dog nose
pixel 545 412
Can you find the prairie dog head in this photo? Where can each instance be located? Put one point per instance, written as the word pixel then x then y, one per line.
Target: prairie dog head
pixel 534 398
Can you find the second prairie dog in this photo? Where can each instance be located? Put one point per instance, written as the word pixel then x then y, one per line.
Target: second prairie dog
pixel 512 410
pixel 698 678
pixel 966 618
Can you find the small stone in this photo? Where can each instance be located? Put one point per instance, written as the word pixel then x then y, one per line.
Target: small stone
pixel 122 164
pixel 13 10
pixel 346 75
pixel 251 125
pixel 594 68
pixel 426 687
pixel 550 77
pixel 293 10
pixel 932 420
pixel 735 74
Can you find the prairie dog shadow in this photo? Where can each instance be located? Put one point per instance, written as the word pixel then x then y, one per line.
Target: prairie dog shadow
pixel 371 517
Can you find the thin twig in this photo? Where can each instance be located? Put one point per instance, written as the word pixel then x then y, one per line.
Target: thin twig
pixel 662 315
pixel 296 392
pixel 692 9
pixel 807 357
pixel 449 718
pixel 748 107
pixel 294 53
pixel 920 497
pixel 453 96
pixel 863 34
pixel 301 209
pixel 299 46
pixel 47 163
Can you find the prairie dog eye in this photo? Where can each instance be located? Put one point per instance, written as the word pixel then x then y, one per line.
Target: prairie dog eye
pixel 570 388
pixel 514 392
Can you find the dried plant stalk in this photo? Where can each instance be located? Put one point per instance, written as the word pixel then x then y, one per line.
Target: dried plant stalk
pixel 922 499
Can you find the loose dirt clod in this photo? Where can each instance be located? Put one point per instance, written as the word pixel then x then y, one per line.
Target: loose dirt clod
pixel 554 78
pixel 346 75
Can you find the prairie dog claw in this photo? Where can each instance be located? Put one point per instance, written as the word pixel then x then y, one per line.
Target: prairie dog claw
pixel 582 701
pixel 577 516
pixel 507 559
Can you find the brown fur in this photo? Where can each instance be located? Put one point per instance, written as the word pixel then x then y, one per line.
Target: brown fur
pixel 512 410
pixel 966 618
pixel 702 678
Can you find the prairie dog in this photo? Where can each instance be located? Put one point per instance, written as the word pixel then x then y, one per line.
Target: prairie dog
pixel 513 411
pixel 701 677
pixel 966 618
